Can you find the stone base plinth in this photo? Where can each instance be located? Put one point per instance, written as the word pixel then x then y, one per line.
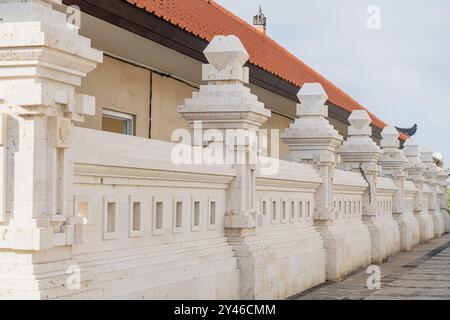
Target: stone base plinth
pixel 280 262
pixel 438 223
pixel 426 226
pixel 446 216
pixel 409 231
pixel 348 248
pixel 203 270
pixel 385 236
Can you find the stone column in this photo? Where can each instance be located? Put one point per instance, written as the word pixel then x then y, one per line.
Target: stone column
pixel 443 201
pixel 313 140
pixel 360 154
pixel 393 163
pixel 224 104
pixel 43 60
pixel 431 177
pixel 415 169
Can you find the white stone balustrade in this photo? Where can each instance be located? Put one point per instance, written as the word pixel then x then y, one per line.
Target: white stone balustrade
pixel 137 226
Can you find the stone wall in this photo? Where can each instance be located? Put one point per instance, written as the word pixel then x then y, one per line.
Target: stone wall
pixel 86 214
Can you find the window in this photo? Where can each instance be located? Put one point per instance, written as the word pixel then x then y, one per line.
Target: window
pixel 117 122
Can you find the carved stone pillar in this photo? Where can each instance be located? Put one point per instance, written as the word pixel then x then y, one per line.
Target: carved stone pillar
pixel 225 105
pixel 43 60
pixel 393 163
pixel 360 154
pixel 443 201
pixel 415 169
pixel 431 177
pixel 313 140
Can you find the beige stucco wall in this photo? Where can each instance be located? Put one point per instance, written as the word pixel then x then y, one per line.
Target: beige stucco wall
pixel 339 126
pixel 167 95
pixel 121 87
pixel 281 123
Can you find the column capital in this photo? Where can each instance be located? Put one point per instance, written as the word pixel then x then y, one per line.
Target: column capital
pixel 56 59
pixel 226 56
pixel 432 170
pixel 359 147
pixel 393 161
pixel 224 102
pixel 415 166
pixel 311 138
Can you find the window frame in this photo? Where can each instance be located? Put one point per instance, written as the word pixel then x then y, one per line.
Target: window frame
pixel 129 119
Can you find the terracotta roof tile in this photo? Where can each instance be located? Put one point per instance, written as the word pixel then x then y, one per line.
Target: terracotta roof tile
pixel 206 19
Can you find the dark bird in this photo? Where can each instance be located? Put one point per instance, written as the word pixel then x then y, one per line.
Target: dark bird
pixel 409 132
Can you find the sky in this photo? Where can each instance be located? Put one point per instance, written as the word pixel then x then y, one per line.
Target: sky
pixel 392 56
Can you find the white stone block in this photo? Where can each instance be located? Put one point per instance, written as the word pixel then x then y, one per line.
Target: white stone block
pixel 226 50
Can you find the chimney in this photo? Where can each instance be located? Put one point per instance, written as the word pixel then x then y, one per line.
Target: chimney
pixel 260 21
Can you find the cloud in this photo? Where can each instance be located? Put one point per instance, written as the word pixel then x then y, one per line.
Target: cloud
pixel 399 72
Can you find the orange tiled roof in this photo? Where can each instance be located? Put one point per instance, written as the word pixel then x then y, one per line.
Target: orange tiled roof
pixel 206 19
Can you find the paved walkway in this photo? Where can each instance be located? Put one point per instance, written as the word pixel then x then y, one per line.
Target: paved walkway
pixel 422 274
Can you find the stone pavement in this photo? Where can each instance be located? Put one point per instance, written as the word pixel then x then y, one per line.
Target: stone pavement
pixel 422 274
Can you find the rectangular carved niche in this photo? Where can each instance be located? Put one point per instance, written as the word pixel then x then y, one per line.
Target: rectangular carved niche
pixel 110 217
